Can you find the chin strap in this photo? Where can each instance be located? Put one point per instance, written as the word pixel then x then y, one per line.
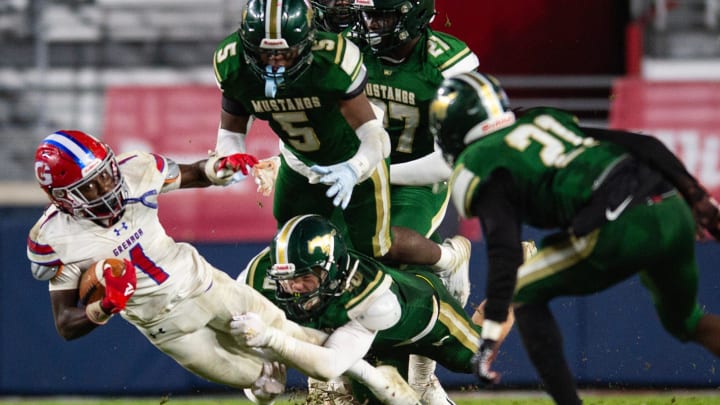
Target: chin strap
pixel 273 78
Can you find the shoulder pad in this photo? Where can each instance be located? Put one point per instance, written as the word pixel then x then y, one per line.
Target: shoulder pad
pixel 338 50
pixel 451 55
pixel 382 314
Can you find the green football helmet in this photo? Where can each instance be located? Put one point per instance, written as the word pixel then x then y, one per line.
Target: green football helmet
pixel 308 246
pixel 334 15
pixel 466 107
pixel 278 27
pixel 386 24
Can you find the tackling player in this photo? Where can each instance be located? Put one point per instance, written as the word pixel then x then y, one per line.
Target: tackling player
pixel 368 306
pixel 309 85
pixel 103 206
pixel 611 195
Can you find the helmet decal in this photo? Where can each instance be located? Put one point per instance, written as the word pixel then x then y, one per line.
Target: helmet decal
pixel 82 155
pixel 43 173
pixel 439 106
pixel 326 243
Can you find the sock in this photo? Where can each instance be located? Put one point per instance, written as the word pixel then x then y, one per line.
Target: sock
pixel 544 345
pixel 447 258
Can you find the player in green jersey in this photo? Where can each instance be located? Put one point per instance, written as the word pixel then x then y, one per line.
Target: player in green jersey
pixel 604 192
pixel 309 86
pixel 334 15
pixel 406 62
pixel 368 307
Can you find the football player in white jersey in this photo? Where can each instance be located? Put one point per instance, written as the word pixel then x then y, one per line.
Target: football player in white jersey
pixel 103 207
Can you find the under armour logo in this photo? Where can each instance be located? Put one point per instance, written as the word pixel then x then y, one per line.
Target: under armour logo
pixel 129 290
pixel 124 227
pixel 155 335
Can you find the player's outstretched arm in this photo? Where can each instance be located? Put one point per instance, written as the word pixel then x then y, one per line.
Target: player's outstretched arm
pixel 344 347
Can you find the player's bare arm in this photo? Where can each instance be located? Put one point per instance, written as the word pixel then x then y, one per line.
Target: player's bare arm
pixel 70 320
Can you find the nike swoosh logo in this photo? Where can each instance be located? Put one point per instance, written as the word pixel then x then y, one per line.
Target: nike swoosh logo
pixel 613 214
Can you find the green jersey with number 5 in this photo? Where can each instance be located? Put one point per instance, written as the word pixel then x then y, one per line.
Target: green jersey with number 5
pixel 304 113
pixel 403 90
pixel 553 165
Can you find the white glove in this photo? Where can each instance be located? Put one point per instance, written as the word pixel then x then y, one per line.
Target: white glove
pixel 251 330
pixel 341 178
pixel 269 385
pixel 265 172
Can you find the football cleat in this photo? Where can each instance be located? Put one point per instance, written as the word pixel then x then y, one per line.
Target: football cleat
pixel 337 391
pixel 457 277
pixel 434 393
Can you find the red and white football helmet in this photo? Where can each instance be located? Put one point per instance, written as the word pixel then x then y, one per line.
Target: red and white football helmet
pixel 66 161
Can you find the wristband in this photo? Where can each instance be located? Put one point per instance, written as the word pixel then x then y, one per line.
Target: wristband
pixel 211 174
pixel 229 142
pixel 95 313
pixel 491 330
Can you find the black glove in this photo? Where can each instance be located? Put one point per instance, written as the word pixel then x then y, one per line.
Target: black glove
pixel 707 216
pixel 482 362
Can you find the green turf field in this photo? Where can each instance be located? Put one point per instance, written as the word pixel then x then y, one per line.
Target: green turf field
pixel 592 398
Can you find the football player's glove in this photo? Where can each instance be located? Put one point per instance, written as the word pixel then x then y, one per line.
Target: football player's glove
pixel 118 289
pixel 269 385
pixel 482 362
pixel 251 329
pixel 341 178
pixel 221 170
pixel 707 216
pixel 265 171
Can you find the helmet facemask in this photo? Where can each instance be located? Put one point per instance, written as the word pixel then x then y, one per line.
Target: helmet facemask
pixel 385 27
pixel 108 206
pixel 309 265
pixel 299 301
pixel 291 37
pixel 334 15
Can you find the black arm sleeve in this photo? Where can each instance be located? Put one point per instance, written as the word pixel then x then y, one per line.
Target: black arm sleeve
pixel 233 106
pixel 500 219
pixel 653 152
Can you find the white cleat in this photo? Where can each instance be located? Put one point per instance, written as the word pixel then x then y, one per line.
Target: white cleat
pixel 337 391
pixel 434 394
pixel 457 277
pixel 396 391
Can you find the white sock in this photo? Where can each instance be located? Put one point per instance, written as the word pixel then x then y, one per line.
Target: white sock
pixel 447 257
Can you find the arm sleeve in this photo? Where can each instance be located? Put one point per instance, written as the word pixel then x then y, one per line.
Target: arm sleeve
pixel 374 147
pixel 233 106
pixel 501 225
pixel 653 152
pixel 343 348
pixel 428 169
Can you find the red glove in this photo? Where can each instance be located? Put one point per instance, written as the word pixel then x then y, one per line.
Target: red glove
pixel 236 162
pixel 118 289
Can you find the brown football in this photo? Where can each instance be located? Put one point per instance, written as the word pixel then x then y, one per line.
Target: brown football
pixel 92 283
